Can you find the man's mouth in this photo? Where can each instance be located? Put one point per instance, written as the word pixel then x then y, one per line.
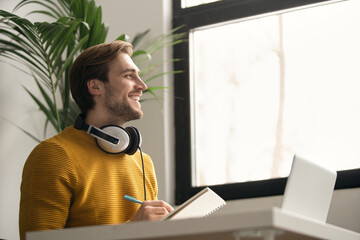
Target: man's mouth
pixel 135 98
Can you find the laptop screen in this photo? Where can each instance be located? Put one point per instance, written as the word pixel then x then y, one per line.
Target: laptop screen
pixel 309 189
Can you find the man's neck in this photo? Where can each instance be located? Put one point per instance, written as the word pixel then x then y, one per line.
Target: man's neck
pixel 102 118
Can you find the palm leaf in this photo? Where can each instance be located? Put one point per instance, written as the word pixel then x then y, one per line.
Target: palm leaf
pixel 54 10
pixel 123 37
pixel 46 97
pixel 139 37
pixel 145 71
pixel 47 50
pixel 152 89
pixel 43 108
pixel 16 54
pixel 23 27
pixel 69 60
pixel 140 53
pixel 22 129
pixel 43 78
pixel 44 13
pixel 24 30
pixel 162 74
pixel 98 31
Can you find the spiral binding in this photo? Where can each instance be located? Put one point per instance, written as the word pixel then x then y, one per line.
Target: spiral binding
pixel 214 210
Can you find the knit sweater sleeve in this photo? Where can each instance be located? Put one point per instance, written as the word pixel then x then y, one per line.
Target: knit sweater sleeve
pixel 47 187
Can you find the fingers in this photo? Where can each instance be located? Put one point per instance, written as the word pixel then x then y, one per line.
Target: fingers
pixel 159 204
pixel 152 210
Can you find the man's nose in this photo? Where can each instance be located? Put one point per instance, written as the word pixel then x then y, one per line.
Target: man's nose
pixel 141 84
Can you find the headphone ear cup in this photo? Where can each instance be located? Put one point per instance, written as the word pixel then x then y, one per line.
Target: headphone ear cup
pixel 120 133
pixel 135 140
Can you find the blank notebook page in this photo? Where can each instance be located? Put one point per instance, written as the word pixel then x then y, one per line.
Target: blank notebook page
pixel 200 205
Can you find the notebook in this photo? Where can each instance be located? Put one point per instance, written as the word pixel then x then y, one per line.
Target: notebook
pixel 201 204
pixel 309 189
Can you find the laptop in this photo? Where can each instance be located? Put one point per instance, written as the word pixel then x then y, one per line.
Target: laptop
pixel 309 189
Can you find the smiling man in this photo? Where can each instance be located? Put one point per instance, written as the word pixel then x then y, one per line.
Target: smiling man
pixel 79 177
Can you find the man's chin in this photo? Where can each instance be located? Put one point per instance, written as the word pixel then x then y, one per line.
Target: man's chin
pixel 140 116
pixel 136 115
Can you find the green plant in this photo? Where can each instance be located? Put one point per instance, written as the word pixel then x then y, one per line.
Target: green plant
pixel 47 50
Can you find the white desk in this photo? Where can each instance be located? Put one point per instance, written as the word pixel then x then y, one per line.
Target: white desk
pixel 267 224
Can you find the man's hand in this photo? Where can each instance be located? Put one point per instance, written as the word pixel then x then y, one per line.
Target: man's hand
pixel 152 210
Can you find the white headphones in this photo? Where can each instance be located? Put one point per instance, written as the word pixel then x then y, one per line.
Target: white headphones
pixel 112 138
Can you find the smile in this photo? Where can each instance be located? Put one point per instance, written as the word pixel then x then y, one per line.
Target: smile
pixel 136 98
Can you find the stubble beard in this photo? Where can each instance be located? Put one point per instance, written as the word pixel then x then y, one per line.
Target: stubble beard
pixel 121 111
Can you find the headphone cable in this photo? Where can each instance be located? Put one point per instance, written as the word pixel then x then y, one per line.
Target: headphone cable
pixel 143 169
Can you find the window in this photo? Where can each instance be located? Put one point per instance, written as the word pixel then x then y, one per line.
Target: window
pixel 192 3
pixel 265 82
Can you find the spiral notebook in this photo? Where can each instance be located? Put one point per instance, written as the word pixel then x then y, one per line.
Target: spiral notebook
pixel 201 204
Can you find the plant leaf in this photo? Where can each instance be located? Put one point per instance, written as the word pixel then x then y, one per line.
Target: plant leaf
pixel 68 61
pixel 43 108
pixel 123 37
pixel 162 74
pixel 141 52
pixel 46 98
pixel 139 37
pixel 22 129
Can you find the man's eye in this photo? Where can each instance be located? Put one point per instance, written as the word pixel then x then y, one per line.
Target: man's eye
pixel 128 76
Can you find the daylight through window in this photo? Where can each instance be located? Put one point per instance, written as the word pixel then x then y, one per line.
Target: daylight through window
pixel 268 87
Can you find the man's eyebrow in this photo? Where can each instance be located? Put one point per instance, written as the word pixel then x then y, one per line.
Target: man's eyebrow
pixel 129 70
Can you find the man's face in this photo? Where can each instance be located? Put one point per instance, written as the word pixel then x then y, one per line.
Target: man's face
pixel 124 89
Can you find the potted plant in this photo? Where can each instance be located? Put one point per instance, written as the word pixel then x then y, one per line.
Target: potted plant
pixel 48 49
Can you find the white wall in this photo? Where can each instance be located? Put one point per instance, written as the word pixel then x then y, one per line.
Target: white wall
pixel 17 107
pixel 156 127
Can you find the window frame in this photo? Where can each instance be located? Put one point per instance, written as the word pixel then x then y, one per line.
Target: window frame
pixel 203 15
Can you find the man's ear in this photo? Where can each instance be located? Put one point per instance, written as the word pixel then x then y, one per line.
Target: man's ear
pixel 95 87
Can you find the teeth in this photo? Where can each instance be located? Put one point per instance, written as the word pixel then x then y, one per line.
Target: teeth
pixel 135 98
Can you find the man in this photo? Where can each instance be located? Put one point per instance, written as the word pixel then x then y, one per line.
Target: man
pixel 71 179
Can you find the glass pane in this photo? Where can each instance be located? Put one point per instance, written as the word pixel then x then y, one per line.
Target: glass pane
pixel 193 3
pixel 268 87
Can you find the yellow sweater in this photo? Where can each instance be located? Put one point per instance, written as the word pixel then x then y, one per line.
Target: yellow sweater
pixel 68 181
